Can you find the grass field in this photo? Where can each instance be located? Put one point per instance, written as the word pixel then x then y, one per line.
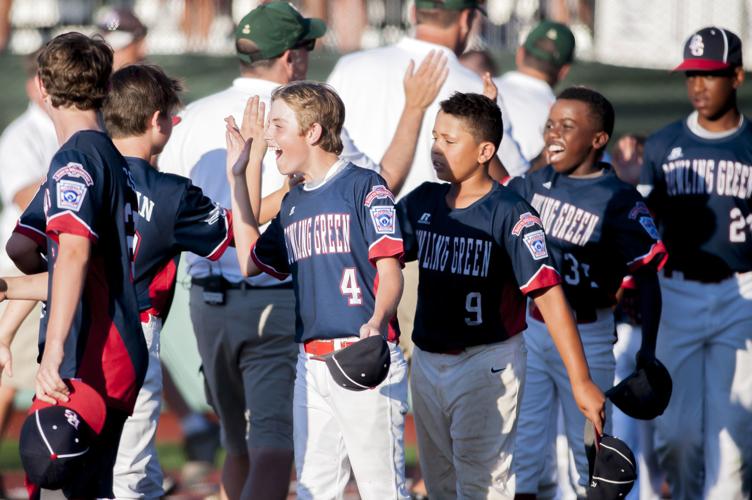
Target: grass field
pixel 644 99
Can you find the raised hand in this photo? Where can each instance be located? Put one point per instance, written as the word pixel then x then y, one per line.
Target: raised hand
pixel 423 85
pixel 238 150
pixel 490 89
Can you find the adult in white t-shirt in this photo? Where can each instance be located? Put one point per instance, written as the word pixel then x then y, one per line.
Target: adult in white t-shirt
pixel 527 93
pixel 370 84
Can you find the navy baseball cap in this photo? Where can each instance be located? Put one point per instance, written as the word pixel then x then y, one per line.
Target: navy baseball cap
pixel 360 366
pixel 711 49
pixel 55 438
pixel 612 466
pixel 645 393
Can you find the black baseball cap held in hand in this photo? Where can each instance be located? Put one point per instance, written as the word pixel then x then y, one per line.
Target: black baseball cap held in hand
pixel 645 393
pixel 270 29
pixel 55 438
pixel 611 464
pixel 360 366
pixel 711 49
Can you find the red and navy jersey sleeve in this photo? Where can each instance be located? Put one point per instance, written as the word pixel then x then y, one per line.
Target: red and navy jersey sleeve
pixel 521 233
pixel 201 225
pixel 76 190
pixel 405 216
pixel 378 218
pixel 269 253
pixel 634 234
pixel 32 223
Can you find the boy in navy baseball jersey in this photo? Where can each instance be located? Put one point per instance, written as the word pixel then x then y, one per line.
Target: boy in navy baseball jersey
pixel 92 332
pixel 599 230
pixel 697 178
pixel 480 250
pixel 174 216
pixel 337 234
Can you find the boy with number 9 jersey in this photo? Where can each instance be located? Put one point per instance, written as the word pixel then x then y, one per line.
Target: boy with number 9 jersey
pixel 480 250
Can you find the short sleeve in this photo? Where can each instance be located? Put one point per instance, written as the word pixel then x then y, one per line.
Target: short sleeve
pixel 76 195
pixel 521 233
pixel 652 182
pixel 378 218
pixel 409 240
pixel 633 232
pixel 201 225
pixel 32 223
pixel 269 252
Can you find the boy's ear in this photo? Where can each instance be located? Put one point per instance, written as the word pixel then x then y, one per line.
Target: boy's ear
pixel 313 134
pixel 153 120
pixel 486 151
pixel 40 86
pixel 600 139
pixel 738 77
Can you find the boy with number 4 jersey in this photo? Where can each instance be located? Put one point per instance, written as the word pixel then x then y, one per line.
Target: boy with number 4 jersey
pixel 480 250
pixel 338 236
pixel 599 230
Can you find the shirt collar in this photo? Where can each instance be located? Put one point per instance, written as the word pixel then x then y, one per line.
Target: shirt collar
pixel 254 85
pixel 421 47
pixel 693 123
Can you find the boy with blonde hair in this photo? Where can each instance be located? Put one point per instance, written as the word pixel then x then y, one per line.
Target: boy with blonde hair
pixel 338 236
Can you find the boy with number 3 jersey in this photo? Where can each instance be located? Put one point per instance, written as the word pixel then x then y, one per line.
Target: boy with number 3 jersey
pixel 480 250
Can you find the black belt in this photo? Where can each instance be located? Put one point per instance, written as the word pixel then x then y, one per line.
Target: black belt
pixel 240 285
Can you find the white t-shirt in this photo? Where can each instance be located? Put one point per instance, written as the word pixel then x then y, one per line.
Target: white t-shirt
pixel 26 149
pixel 370 84
pixel 197 149
pixel 527 101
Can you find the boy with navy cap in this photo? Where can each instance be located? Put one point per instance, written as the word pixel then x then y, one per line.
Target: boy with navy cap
pixel 697 178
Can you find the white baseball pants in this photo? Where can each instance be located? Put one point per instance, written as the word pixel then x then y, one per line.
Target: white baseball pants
pixel 466 408
pixel 137 472
pixel 547 386
pixel 335 429
pixel 704 438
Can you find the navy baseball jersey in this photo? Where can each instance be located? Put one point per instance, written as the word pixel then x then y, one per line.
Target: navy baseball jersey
pixel 599 230
pixel 700 191
pixel 476 265
pixel 173 216
pixel 89 193
pixel 329 238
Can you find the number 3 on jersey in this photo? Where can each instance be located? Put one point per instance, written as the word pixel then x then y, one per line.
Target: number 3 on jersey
pixel 349 287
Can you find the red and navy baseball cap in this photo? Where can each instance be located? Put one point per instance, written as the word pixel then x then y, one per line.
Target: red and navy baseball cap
pixel 55 438
pixel 360 366
pixel 711 49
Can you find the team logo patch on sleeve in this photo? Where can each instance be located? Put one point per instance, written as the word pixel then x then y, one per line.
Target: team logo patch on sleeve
pixel 535 242
pixel 70 195
pixel 378 192
pixel 74 170
pixel 526 220
pixel 639 209
pixel 383 219
pixel 649 226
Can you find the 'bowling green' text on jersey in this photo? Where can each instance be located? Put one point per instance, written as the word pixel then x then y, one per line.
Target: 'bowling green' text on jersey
pixel 701 193
pixel 476 265
pixel 329 238
pixel 599 229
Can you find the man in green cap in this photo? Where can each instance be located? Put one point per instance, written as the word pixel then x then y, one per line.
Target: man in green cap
pixel 245 326
pixel 543 60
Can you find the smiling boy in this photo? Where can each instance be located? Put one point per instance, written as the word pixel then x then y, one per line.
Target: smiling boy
pixel 338 236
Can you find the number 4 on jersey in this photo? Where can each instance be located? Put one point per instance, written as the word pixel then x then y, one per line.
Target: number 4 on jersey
pixel 349 287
